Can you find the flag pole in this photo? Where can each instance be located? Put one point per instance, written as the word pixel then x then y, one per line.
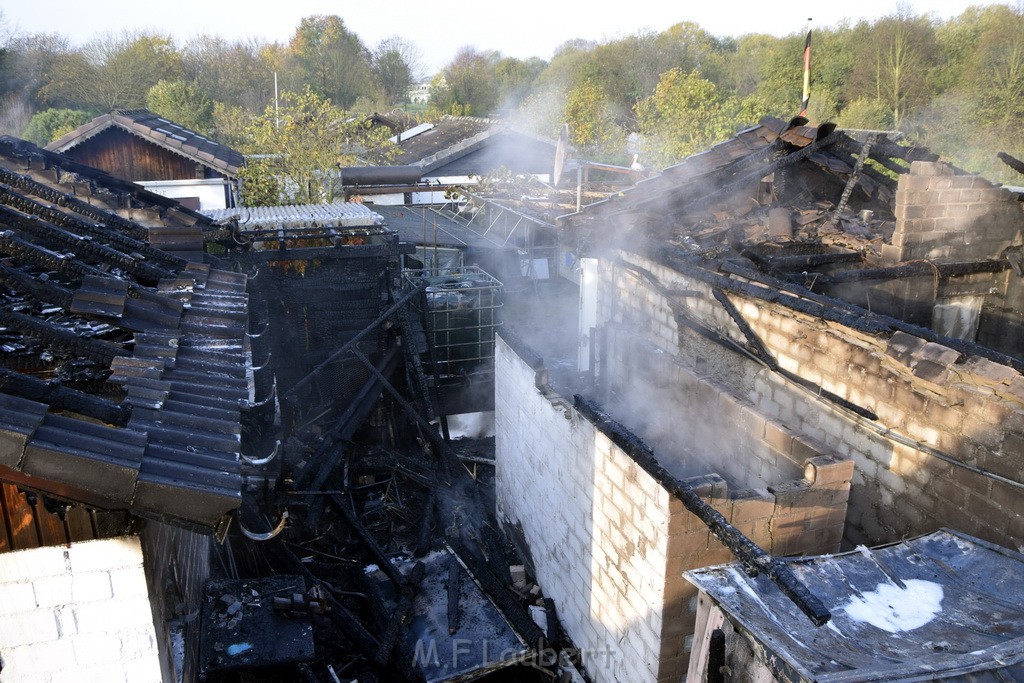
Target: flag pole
pixel 807 71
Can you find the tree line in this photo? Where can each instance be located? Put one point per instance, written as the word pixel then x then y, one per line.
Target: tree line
pixel 954 85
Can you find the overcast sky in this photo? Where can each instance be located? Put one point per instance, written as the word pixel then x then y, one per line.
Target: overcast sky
pixel 518 28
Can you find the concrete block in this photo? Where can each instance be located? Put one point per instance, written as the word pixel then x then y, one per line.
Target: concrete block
pixel 128 583
pixel 96 617
pixel 824 469
pixel 90 586
pixel 110 553
pixel 26 628
pixel 16 597
pixel 20 565
pixel 929 168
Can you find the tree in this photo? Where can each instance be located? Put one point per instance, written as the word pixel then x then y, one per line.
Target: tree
pixel 467 85
pixel 300 147
pixel 893 64
pixel 183 103
pixel 331 60
pixel 866 113
pixel 685 115
pixel 592 123
pixel 114 71
pixel 396 65
pixel 239 74
pixel 50 124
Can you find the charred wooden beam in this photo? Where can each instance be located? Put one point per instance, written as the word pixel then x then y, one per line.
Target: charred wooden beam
pixel 851 182
pixel 773 290
pixel 57 396
pixel 913 269
pixel 803 262
pixel 754 559
pixel 756 345
pixel 453 596
pixel 716 657
pixel 500 594
pixel 410 586
pixel 423 538
pixel 340 615
pixel 342 503
pixel 1014 163
pixel 94 349
pixel 351 343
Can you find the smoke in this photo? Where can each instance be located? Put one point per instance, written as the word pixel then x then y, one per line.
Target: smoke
pixel 15 114
pixel 471 425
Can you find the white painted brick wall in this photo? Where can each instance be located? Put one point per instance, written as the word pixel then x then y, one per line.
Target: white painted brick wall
pixel 596 524
pixel 77 613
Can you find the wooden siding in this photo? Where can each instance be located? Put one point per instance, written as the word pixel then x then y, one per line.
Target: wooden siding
pixel 25 525
pixel 131 158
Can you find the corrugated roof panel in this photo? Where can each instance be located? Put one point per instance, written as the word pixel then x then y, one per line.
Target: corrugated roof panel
pixel 342 215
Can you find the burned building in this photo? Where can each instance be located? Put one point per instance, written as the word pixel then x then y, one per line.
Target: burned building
pixel 816 333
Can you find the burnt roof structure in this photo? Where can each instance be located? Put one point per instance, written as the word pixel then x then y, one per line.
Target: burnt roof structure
pixel 125 368
pixel 944 605
pixel 158 131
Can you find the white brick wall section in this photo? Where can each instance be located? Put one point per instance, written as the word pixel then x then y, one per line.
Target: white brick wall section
pixel 85 616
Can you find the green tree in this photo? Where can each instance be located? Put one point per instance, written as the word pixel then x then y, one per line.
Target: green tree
pixel 685 115
pixel 331 60
pixel 239 74
pixel 866 113
pixel 593 125
pixel 396 64
pixel 467 85
pixel 892 65
pixel 114 71
pixel 183 103
pixel 50 124
pixel 298 150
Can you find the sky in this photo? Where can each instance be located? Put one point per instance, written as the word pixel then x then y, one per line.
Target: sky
pixel 520 28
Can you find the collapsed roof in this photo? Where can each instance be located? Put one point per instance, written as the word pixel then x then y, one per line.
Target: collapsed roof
pixel 125 368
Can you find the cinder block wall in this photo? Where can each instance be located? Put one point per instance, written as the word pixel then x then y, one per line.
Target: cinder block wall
pixel 946 217
pixel 608 542
pixel 941 417
pixel 77 613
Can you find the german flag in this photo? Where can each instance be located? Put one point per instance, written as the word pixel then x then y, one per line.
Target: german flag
pixel 807 75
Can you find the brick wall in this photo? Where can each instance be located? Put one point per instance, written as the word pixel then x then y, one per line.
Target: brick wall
pixel 609 544
pixel 947 217
pixel 940 416
pixel 77 613
pixel 177 566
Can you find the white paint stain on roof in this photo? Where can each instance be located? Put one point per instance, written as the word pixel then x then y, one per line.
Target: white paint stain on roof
pixel 896 609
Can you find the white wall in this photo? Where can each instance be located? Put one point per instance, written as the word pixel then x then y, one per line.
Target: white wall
pixel 77 613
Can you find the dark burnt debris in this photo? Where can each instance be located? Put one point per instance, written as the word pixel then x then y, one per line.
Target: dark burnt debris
pixel 268 379
pixel 271 389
